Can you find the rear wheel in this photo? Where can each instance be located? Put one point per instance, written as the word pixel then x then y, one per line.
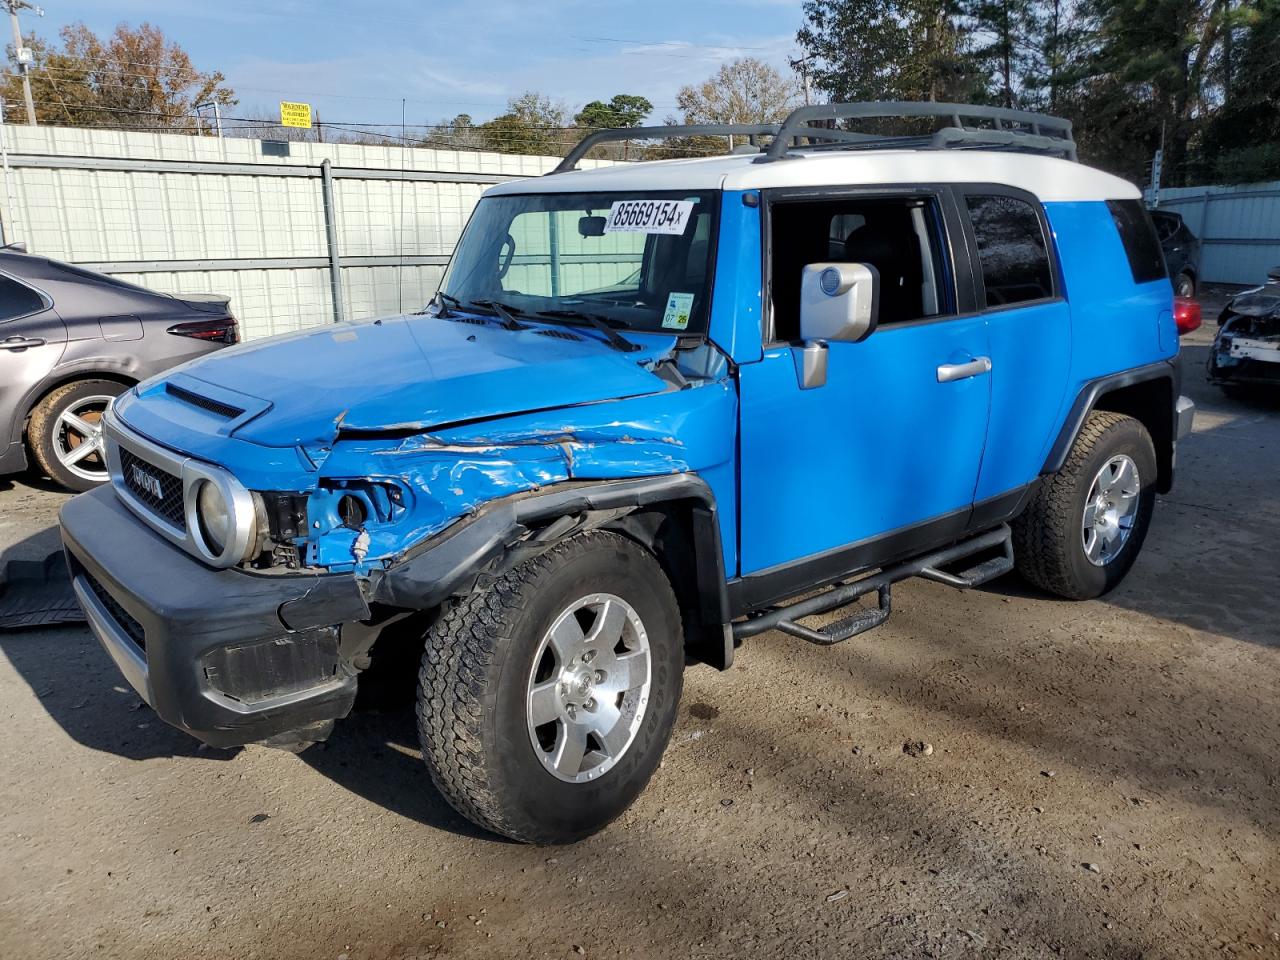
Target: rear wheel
pixel 1083 529
pixel 65 432
pixel 1184 285
pixel 545 701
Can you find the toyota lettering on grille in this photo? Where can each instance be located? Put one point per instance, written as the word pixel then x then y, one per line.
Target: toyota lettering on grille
pixel 146 481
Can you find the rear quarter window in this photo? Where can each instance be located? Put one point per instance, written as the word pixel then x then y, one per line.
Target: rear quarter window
pixel 17 299
pixel 1141 243
pixel 1012 249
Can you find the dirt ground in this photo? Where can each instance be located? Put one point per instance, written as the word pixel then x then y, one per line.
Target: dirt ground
pixel 1103 783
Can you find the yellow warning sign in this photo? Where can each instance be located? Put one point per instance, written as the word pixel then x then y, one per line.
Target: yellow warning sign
pixel 295 114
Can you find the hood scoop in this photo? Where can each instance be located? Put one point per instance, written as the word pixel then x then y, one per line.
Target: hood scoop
pixel 226 411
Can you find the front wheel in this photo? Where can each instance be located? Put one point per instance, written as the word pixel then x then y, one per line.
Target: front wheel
pixel 1083 529
pixel 546 700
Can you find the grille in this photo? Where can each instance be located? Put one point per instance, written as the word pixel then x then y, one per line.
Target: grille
pixel 559 334
pixel 168 505
pixel 118 613
pixel 224 410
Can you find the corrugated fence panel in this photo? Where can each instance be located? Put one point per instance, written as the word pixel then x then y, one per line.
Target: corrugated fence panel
pixel 167 212
pixel 1238 226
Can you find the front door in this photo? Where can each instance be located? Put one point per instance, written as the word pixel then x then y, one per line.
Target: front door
pixel 886 454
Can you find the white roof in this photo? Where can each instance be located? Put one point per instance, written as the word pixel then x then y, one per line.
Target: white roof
pixel 1048 178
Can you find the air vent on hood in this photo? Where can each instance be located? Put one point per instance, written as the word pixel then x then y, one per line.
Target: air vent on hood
pixel 224 410
pixel 473 320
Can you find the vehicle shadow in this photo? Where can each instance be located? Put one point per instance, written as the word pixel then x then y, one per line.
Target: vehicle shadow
pixel 1211 560
pixel 373 752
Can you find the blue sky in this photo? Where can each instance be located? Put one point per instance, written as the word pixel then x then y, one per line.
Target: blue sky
pixel 449 58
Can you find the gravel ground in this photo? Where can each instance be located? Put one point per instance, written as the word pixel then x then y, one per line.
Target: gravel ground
pixel 1103 782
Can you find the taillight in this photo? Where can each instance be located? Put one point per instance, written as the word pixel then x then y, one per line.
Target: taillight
pixel 1186 314
pixel 222 330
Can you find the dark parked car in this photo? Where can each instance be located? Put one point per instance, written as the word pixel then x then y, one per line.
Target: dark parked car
pixel 1181 251
pixel 70 341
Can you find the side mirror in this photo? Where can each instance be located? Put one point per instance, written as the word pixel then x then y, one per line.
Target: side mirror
pixel 839 301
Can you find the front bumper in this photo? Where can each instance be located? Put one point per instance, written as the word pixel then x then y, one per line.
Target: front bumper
pixel 227 656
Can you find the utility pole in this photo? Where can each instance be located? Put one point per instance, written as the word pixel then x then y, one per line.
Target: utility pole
pixel 21 54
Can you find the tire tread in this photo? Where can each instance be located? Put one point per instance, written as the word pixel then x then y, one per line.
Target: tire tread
pixel 1041 533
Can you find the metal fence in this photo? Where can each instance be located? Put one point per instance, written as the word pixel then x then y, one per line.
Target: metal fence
pixel 1239 228
pixel 296 234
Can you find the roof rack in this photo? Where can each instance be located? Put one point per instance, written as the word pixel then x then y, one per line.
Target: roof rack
pixel 1017 130
pixel 751 131
pixel 1014 130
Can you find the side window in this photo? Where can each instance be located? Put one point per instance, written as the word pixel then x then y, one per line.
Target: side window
pixel 901 237
pixel 1012 249
pixel 1141 245
pixel 1166 226
pixel 17 299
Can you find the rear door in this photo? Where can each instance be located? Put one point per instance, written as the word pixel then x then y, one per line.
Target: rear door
pixel 1029 328
pixel 884 456
pixel 32 338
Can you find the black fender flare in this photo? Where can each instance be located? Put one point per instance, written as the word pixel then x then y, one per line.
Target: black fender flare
pixel 504 532
pixel 1093 391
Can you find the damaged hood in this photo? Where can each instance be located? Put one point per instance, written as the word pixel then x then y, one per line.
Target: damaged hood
pixel 1261 301
pixel 403 373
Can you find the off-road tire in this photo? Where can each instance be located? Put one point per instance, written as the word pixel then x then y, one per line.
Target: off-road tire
pixel 1047 543
pixel 473 684
pixel 44 421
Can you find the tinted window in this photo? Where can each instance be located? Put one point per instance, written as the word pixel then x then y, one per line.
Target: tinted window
pixel 1166 225
pixel 1012 249
pixel 17 299
pixel 1141 245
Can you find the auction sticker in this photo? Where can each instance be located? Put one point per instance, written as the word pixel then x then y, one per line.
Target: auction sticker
pixel 679 306
pixel 649 216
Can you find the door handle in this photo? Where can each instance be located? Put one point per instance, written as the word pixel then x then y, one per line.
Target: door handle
pixel 20 343
pixel 960 371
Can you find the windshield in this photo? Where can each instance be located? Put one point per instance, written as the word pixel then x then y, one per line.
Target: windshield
pixel 640 261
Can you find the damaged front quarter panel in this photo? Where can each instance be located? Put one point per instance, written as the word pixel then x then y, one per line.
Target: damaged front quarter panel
pixel 446 474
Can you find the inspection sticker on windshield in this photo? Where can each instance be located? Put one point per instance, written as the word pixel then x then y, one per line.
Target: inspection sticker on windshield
pixel 679 306
pixel 649 216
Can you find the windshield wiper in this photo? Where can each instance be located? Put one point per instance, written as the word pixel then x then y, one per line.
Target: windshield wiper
pixel 445 301
pixel 504 313
pixel 600 322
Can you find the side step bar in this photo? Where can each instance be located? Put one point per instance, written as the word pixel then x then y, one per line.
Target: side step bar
pixel 786 617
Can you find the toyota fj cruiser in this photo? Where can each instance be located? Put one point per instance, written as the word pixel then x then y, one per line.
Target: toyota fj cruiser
pixel 651 405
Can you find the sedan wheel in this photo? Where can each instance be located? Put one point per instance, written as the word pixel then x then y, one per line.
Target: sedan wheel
pixel 65 432
pixel 77 439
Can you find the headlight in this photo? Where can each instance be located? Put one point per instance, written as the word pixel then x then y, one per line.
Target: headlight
pixel 224 520
pixel 214 517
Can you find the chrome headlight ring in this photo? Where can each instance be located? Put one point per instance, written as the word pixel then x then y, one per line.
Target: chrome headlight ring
pixel 243 522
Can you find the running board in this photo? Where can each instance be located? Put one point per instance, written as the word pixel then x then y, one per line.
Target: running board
pixel 786 618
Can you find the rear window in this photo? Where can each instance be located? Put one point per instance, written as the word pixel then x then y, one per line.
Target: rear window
pixel 1141 244
pixel 17 300
pixel 1012 250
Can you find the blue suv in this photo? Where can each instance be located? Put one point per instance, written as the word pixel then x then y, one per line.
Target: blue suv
pixel 654 409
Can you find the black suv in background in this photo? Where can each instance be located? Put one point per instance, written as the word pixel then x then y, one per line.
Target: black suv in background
pixel 1181 251
pixel 71 340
